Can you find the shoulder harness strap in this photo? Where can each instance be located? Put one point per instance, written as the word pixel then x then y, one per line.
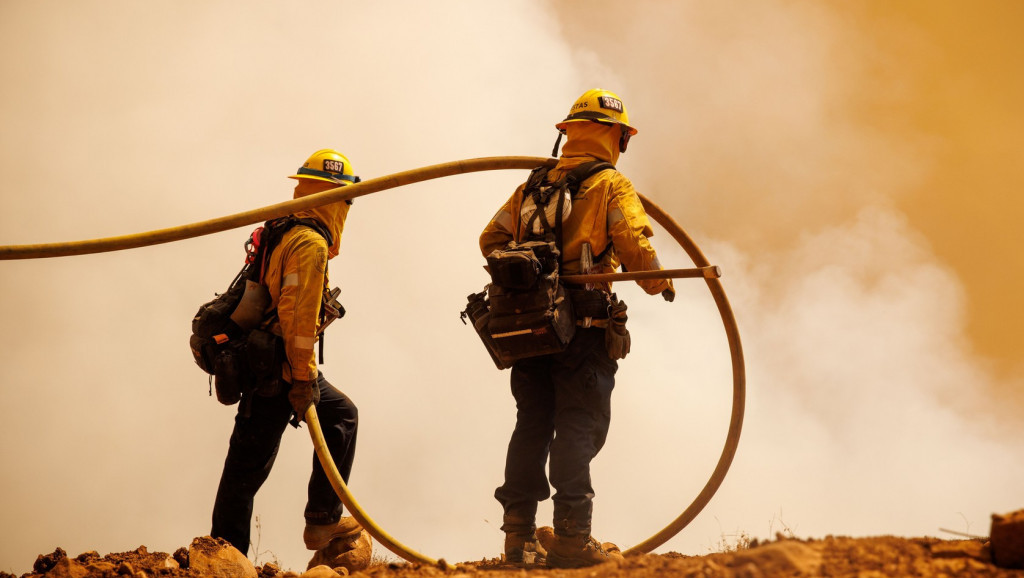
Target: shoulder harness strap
pixel 573 179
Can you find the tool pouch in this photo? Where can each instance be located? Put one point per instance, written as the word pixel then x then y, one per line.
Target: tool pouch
pixel 591 303
pixel 530 323
pixel 229 375
pixel 616 336
pixel 526 311
pixel 265 354
pixel 478 312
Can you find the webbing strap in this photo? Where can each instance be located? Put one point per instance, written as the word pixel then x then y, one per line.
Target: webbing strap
pixel 332 176
pixel 573 179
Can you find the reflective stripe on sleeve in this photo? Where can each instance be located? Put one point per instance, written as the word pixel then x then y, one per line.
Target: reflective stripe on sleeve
pixel 301 342
pixel 290 280
pixel 614 216
pixel 503 221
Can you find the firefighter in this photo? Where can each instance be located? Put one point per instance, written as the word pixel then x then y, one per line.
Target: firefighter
pixel 296 276
pixel 563 400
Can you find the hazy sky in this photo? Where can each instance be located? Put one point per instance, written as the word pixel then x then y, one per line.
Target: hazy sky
pixel 855 170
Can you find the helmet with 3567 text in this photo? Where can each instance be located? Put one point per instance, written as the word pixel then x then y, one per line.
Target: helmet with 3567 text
pixel 599 105
pixel 327 165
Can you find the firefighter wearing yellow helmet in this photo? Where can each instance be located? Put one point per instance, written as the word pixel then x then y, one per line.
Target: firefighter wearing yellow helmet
pixel 564 398
pixel 297 280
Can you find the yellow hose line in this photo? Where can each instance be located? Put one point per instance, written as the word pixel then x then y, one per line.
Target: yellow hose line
pixel 324 455
pixel 739 384
pixel 704 270
pixel 199 229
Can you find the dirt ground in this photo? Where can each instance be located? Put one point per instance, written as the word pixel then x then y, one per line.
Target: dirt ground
pixel 831 556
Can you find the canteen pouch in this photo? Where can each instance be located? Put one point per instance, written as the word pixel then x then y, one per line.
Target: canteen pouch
pixel 616 336
pixel 264 353
pixel 229 375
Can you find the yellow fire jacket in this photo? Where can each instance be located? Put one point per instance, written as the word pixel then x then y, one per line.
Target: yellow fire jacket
pixel 297 278
pixel 606 212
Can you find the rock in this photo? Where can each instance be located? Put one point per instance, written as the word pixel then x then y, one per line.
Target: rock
pixel 351 554
pixel 181 557
pixel 168 563
pixel 101 567
pixel 1006 540
pixel 269 570
pixel 779 559
pixel 126 569
pixel 45 563
pixel 546 537
pixel 961 549
pixel 68 568
pixel 320 571
pixel 86 557
pixel 216 558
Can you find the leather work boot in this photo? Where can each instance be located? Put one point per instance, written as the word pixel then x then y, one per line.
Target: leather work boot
pixel 580 551
pixel 524 549
pixel 353 554
pixel 317 536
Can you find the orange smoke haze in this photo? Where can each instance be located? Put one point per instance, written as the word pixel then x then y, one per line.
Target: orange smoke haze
pixel 851 167
pixel 912 103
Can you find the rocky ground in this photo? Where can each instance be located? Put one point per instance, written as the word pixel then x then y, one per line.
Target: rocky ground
pixel 831 556
pixel 999 554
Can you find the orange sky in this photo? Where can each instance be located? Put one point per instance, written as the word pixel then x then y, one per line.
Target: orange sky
pixel 966 74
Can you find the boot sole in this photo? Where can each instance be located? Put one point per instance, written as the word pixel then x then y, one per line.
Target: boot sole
pixel 556 561
pixel 324 543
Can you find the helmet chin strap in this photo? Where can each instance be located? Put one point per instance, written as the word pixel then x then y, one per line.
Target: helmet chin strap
pixel 558 141
pixel 624 139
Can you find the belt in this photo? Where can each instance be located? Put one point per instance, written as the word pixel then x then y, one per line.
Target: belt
pixel 591 303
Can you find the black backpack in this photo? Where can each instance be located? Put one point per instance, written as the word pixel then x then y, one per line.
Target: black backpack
pixel 243 360
pixel 525 311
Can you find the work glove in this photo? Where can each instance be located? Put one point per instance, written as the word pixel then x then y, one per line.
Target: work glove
pixel 669 294
pixel 302 395
pixel 616 336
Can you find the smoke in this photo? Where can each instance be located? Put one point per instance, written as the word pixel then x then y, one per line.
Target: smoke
pixel 868 410
pixel 861 383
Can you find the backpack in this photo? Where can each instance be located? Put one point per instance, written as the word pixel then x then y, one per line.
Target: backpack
pixel 525 311
pixel 237 351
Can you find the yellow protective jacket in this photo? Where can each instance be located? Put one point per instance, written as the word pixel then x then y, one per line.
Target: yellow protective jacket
pixel 606 212
pixel 297 278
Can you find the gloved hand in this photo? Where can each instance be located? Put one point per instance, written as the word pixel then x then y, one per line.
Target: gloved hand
pixel 669 294
pixel 302 395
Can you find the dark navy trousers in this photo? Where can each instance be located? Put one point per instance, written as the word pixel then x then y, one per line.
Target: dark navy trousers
pixel 563 404
pixel 259 424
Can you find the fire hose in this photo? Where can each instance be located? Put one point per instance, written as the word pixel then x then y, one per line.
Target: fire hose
pixel 703 270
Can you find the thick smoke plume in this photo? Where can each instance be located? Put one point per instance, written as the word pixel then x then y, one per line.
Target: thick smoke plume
pixel 867 411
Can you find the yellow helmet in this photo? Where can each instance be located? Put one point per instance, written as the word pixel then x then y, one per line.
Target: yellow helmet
pixel 598 105
pixel 327 165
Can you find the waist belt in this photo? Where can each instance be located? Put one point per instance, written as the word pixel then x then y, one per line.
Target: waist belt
pixel 591 303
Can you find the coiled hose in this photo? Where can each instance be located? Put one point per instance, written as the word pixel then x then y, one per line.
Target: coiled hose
pixel 704 270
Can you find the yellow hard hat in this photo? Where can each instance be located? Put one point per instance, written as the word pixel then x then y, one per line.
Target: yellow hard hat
pixel 598 105
pixel 327 165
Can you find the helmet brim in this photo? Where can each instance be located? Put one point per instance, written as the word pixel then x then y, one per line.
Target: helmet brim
pixel 315 178
pixel 561 126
